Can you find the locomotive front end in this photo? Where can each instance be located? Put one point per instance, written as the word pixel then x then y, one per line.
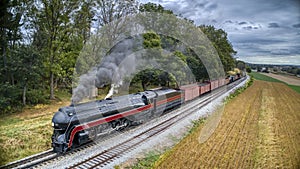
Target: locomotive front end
pixel 61 123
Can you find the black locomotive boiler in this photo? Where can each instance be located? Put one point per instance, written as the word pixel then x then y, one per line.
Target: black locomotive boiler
pixel 76 124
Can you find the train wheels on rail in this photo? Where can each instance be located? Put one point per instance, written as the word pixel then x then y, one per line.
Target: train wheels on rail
pixel 121 124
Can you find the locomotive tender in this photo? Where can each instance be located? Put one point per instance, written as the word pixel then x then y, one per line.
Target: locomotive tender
pixel 74 125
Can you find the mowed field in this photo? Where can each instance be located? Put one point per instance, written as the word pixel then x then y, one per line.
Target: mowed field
pixel 292 80
pixel 28 132
pixel 259 129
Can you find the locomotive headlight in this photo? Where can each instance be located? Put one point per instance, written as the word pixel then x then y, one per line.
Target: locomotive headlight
pixel 52 124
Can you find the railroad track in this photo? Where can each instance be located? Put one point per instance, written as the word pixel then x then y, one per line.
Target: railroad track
pixel 41 159
pixel 33 160
pixel 109 155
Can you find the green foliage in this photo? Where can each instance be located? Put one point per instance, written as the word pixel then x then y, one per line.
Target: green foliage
pixel 153 77
pixel 240 65
pixel 197 68
pixel 55 31
pixel 147 162
pixel 296 88
pixel 10 97
pixel 219 39
pixel 196 124
pixel 239 90
pixel 181 56
pixel 248 69
pixel 259 76
pixel 36 96
pixel 152 7
pixel 151 40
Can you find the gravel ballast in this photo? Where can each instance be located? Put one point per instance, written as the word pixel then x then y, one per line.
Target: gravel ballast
pixel 159 142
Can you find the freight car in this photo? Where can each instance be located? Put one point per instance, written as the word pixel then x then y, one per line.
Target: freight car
pixel 74 125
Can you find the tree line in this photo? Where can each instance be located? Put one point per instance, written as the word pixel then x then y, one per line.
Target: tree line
pixel 42 39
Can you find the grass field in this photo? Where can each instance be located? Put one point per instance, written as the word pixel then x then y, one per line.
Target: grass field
pixel 259 76
pixel 259 129
pixel 28 132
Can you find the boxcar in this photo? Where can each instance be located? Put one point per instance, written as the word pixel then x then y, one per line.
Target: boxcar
pixel 214 84
pixel 204 88
pixel 221 82
pixel 191 91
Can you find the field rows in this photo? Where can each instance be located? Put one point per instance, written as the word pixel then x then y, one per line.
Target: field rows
pixel 258 129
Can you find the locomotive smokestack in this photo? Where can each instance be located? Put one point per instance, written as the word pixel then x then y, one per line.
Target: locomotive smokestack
pixel 108 71
pixel 111 91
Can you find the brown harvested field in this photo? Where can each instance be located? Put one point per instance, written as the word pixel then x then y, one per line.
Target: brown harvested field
pixel 259 129
pixel 292 80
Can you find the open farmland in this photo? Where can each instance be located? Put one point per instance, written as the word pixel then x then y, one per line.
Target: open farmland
pixel 292 80
pixel 259 129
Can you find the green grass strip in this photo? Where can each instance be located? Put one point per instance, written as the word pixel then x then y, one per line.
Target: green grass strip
pixel 259 76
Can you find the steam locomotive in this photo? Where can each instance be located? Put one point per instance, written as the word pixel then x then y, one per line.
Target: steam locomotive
pixel 75 125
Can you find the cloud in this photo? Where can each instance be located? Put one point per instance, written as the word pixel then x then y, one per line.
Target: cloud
pixel 273 25
pixel 211 7
pixel 242 23
pixel 269 59
pixel 247 27
pixel 228 21
pixel 280 52
pixel 255 28
pixel 296 25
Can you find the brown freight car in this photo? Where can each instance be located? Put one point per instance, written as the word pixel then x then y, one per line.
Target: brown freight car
pixel 214 84
pixel 191 91
pixel 204 88
pixel 222 82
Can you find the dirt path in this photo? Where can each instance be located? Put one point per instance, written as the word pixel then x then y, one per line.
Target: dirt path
pixel 287 79
pixel 259 129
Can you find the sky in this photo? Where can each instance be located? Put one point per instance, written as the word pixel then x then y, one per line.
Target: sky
pixel 261 31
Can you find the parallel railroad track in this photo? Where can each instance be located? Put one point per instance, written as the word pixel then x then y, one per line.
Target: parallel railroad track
pixel 109 155
pixel 33 160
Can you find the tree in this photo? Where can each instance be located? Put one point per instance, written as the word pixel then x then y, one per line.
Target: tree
pixel 218 38
pixel 241 65
pixel 151 40
pixel 248 69
pixel 152 7
pixel 10 23
pixel 83 19
pixel 27 71
pixel 54 23
pixel 110 13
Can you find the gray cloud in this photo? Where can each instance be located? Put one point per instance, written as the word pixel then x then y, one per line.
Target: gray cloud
pixel 228 21
pixel 211 7
pixel 255 28
pixel 247 27
pixel 281 52
pixel 296 25
pixel 273 25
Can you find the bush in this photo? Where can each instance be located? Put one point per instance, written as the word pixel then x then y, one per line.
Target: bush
pixel 36 97
pixel 10 97
pixel 248 69
pixel 239 90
